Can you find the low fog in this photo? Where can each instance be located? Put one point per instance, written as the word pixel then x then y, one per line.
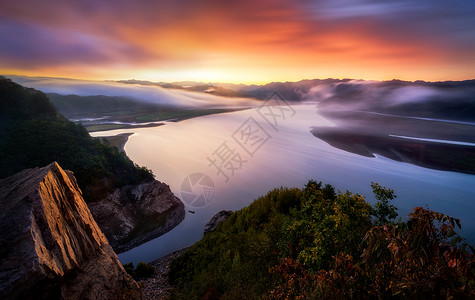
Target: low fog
pixel 442 100
pixel 147 94
pixel 358 94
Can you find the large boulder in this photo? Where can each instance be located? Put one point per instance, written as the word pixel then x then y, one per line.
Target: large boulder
pixel 135 214
pixel 50 245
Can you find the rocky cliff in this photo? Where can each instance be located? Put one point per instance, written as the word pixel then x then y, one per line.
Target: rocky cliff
pixel 50 245
pixel 216 220
pixel 135 214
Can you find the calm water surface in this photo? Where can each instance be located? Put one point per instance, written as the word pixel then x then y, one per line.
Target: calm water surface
pixel 284 154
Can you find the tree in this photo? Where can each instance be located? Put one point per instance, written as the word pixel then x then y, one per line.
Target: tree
pixel 382 211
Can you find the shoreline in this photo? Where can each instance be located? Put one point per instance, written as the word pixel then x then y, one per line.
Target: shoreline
pixel 158 286
pixel 117 141
pixel 110 125
pixel 422 152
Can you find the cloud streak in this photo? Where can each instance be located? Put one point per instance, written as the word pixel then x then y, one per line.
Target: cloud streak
pixel 271 40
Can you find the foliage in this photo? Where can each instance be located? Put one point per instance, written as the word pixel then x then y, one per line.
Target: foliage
pixel 233 261
pixel 314 243
pixel 421 258
pixel 325 225
pixel 34 134
pixel 382 210
pixel 129 268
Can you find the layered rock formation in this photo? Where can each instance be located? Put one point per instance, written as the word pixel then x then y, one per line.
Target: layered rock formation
pixel 50 245
pixel 135 214
pixel 216 220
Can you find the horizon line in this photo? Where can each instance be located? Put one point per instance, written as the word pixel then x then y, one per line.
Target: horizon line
pixel 234 83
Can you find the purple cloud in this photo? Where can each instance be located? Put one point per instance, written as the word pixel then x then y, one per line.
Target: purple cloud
pixel 32 45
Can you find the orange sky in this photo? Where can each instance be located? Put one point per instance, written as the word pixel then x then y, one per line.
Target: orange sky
pixel 245 41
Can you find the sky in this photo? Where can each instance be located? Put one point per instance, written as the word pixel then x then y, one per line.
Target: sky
pixel 248 41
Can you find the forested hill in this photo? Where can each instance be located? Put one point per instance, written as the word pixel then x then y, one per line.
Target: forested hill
pixel 315 243
pixel 34 134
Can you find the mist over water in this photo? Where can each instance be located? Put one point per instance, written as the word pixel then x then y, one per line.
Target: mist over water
pixel 140 93
pixel 289 157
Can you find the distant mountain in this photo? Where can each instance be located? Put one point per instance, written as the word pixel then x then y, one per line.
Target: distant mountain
pixel 213 89
pixel 292 91
pixel 216 90
pixel 454 100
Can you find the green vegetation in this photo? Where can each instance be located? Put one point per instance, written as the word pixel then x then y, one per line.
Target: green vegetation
pixel 34 134
pixel 314 243
pixel 142 271
pixel 117 141
pixel 105 127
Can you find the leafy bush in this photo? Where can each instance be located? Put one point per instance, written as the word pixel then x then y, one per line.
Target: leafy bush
pixel 314 243
pixel 383 211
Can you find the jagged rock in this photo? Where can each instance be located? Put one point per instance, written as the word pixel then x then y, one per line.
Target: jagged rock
pixel 135 214
pixel 50 245
pixel 216 219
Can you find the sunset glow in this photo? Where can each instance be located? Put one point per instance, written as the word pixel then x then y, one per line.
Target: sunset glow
pixel 244 41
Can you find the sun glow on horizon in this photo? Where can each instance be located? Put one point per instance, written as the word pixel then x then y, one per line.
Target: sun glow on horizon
pixel 250 42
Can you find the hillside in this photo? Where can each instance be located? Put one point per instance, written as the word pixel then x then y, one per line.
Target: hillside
pixel 33 134
pixel 315 243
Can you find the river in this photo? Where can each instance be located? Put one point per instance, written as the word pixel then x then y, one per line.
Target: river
pixel 233 158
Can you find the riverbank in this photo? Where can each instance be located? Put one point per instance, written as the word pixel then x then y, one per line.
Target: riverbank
pixel 118 141
pixel 113 126
pixel 158 287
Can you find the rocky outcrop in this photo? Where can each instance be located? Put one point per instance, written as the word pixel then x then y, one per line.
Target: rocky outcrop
pixel 135 214
pixel 50 245
pixel 216 220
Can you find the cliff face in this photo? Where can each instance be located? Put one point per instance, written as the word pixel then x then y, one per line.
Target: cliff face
pixel 216 220
pixel 135 214
pixel 50 245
